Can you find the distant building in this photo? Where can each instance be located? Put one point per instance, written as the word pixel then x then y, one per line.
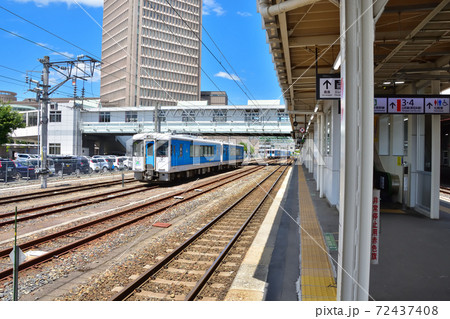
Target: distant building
pixel 215 97
pixel 95 129
pixel 151 52
pixel 7 96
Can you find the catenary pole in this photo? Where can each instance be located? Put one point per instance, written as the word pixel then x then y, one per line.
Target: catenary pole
pixel 44 119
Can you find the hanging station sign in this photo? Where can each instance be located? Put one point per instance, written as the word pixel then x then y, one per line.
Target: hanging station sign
pixel 413 104
pixel 328 86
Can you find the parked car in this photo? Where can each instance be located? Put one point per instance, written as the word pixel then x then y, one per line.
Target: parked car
pixel 7 169
pixel 63 165
pixel 127 162
pixel 37 166
pixel 118 163
pixel 104 166
pixel 94 164
pixel 20 156
pixel 25 169
pixel 81 165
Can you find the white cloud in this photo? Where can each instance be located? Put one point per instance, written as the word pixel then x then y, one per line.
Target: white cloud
pixel 244 14
pixel 210 6
pixel 64 54
pixel 227 76
pixel 42 3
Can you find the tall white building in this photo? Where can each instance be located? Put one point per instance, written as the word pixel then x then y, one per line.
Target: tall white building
pixel 151 52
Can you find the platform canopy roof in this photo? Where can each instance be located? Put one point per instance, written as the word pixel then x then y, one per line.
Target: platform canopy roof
pixel 412 45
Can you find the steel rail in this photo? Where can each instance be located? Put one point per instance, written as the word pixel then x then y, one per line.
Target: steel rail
pixel 124 192
pixel 22 197
pixel 128 290
pixel 67 248
pixel 445 190
pixel 202 282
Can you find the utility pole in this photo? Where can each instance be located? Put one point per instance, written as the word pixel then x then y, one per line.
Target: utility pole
pixel 157 120
pixel 43 93
pixel 44 116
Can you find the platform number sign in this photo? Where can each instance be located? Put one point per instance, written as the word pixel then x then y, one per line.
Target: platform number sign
pixel 406 105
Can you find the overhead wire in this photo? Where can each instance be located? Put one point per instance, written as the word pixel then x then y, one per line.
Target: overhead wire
pixel 123 49
pixel 209 50
pixel 136 84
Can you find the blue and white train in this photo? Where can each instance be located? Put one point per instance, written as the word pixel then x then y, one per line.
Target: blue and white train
pixel 276 153
pixel 166 157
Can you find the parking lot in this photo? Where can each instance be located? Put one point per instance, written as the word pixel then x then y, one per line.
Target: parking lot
pixel 28 167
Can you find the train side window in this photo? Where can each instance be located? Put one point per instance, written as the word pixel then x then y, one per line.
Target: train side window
pixel 181 150
pixel 137 148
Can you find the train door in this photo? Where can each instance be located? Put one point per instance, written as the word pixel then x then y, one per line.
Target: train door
pixel 150 154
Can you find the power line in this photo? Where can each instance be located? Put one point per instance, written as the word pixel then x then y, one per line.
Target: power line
pixel 49 32
pixel 177 38
pixel 218 61
pixel 35 43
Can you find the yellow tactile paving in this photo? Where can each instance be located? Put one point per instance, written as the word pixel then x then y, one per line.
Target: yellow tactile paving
pixel 317 280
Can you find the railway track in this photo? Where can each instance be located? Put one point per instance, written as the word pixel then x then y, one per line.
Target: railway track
pixel 75 203
pixel 184 273
pixel 81 234
pixel 60 191
pixel 445 190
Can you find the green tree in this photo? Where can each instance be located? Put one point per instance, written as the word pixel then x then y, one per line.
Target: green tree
pixel 9 121
pixel 252 149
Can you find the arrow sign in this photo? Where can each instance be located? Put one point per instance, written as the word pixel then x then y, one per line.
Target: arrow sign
pixel 437 106
pixel 328 86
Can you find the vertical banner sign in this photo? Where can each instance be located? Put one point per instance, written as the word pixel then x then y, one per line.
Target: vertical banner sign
pixel 374 242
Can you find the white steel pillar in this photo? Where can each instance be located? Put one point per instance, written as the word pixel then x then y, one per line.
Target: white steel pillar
pixel 356 166
pixel 435 165
pixel 435 157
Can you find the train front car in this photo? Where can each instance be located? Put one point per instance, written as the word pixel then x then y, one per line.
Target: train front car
pixel 151 157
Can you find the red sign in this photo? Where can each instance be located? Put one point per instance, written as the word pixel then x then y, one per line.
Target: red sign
pixel 375 239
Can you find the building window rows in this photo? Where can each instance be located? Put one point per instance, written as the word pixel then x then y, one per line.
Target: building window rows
pixel 104 117
pixel 54 148
pixel 55 116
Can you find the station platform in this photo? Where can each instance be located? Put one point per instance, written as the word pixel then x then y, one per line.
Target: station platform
pixel 295 254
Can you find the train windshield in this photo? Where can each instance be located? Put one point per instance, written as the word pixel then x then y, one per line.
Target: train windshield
pixel 138 148
pixel 162 147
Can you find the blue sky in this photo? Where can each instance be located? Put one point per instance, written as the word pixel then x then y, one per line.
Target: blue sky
pixel 234 26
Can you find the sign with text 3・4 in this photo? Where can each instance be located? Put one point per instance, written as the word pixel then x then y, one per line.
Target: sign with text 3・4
pixel 405 105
